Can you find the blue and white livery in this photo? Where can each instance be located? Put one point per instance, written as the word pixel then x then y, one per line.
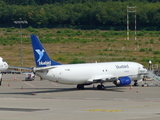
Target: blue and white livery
pixel 42 58
pixel 120 73
pixel 40 53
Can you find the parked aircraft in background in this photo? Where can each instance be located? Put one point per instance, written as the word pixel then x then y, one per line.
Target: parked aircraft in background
pixel 3 67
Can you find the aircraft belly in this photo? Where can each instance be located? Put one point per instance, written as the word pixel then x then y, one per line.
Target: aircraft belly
pixel 74 77
pixel 72 80
pixel 62 77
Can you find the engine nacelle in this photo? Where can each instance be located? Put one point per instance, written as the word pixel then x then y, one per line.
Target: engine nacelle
pixel 122 81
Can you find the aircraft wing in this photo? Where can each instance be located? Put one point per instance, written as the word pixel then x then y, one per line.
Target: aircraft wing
pixel 19 68
pixel 103 79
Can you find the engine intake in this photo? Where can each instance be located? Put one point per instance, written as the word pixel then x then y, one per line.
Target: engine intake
pixel 122 81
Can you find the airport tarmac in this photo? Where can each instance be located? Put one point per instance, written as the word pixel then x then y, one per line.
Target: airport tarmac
pixel 44 100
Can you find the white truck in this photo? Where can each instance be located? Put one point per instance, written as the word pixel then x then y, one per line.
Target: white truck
pixel 29 77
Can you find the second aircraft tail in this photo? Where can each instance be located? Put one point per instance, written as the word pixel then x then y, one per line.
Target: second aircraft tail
pixel 41 57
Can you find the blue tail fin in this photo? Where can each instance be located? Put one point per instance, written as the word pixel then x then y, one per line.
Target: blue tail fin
pixel 41 57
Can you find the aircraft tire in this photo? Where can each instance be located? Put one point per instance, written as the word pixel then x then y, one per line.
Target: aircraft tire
pixel 135 84
pixel 103 87
pixel 80 87
pixel 100 87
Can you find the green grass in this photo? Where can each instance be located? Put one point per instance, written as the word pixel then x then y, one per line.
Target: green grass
pixel 79 46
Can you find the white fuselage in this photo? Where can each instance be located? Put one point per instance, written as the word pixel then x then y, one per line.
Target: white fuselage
pixel 87 73
pixel 3 65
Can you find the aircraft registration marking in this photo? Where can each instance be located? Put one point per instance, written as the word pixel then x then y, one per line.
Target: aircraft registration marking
pixel 104 110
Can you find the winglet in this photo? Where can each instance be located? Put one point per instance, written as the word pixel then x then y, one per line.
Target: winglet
pixel 41 57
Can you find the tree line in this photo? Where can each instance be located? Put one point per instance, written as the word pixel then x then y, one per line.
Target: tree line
pixel 84 14
pixel 42 2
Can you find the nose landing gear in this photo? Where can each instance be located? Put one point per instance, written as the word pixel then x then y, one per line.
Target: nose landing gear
pixel 135 83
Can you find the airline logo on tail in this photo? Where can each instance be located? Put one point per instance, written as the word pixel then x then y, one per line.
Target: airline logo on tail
pixel 41 54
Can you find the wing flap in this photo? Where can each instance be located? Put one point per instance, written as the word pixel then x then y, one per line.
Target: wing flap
pixel 12 68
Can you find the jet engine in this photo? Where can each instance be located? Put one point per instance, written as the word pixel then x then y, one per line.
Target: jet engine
pixel 122 81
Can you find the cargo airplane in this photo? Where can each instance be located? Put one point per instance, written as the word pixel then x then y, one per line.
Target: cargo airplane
pixel 120 73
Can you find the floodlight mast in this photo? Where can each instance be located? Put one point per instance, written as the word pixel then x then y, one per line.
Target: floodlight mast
pixel 131 9
pixel 20 22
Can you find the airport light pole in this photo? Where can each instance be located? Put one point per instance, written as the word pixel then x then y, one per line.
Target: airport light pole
pixel 20 22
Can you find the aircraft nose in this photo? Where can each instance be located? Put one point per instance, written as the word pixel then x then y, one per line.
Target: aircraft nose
pixel 5 65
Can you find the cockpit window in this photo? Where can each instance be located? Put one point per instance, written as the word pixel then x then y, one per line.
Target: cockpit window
pixel 144 67
pixel 3 60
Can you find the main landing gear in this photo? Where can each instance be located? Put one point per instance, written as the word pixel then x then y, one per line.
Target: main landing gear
pixel 80 87
pixel 135 83
pixel 100 87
